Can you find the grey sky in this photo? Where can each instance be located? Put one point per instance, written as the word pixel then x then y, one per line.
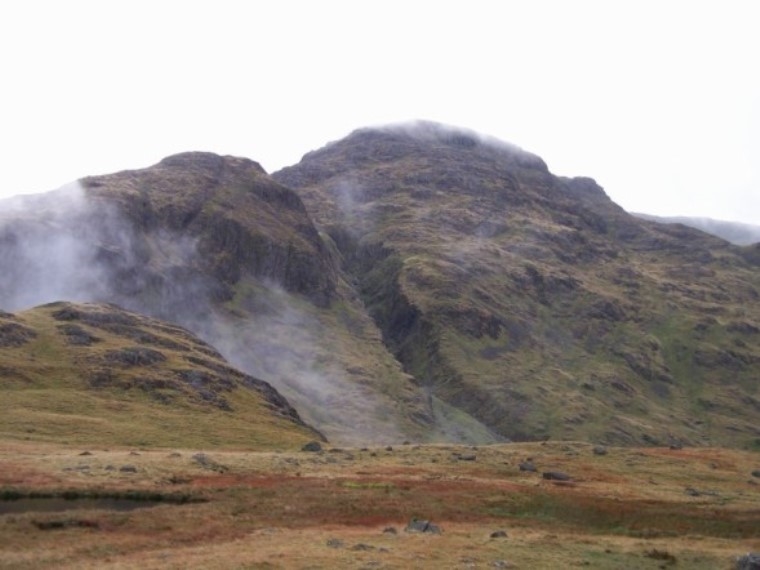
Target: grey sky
pixel 658 101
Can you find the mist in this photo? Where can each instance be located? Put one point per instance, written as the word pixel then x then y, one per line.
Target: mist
pixel 66 245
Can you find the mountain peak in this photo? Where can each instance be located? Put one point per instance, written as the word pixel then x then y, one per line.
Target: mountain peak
pixel 209 161
pixel 439 134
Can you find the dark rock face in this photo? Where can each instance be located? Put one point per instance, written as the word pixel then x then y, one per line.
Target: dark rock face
pixel 242 221
pixel 312 446
pixel 15 334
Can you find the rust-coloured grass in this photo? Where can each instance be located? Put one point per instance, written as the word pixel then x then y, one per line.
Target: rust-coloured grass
pixel 329 509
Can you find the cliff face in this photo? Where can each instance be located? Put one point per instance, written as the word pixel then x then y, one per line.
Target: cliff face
pixel 533 302
pixel 243 222
pixel 216 245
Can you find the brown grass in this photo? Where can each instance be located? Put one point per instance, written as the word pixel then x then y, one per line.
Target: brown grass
pixel 279 510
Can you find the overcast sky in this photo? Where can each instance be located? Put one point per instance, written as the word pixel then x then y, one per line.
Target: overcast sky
pixel 659 101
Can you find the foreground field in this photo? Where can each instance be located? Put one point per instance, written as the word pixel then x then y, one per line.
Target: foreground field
pixel 348 508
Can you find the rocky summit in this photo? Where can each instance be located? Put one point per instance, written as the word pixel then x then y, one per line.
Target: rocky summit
pixel 414 282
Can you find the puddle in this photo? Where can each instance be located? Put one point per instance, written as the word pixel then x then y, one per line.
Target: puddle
pixel 57 505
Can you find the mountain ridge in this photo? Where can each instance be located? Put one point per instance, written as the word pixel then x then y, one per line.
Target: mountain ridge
pixel 453 224
pixel 419 282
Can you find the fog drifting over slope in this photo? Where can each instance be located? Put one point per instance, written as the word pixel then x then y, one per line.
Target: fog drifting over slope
pixel 64 245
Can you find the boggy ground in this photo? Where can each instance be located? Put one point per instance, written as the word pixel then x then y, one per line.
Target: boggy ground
pixel 348 508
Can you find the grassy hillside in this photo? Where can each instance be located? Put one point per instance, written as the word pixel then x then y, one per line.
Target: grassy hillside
pixel 98 375
pixel 532 302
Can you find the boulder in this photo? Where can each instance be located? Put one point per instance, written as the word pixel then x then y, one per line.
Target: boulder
pixel 750 561
pixel 556 476
pixel 417 525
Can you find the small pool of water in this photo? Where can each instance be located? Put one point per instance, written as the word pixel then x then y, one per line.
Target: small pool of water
pixel 55 505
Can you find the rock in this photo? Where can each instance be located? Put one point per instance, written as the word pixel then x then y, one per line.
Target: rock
pixel 750 561
pixel 692 492
pixel 86 453
pixel 128 469
pixel 335 543
pixel 417 525
pixel 499 534
pixel 207 463
pixel 600 450
pixel 389 448
pixel 469 457
pixel 756 473
pixel 362 547
pixel 528 466
pixel 312 446
pixel 390 530
pixel 556 476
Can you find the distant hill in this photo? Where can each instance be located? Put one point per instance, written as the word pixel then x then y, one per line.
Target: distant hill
pixel 90 374
pixel 735 232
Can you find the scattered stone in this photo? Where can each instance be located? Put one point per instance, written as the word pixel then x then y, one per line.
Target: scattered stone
pixel 750 561
pixel 469 457
pixel 335 543
pixel 175 454
pixel 134 453
pixel 692 492
pixel 390 530
pixel 85 453
pixel 312 446
pixel 501 564
pixel 600 450
pixel 663 555
pixel 389 448
pixel 676 445
pixel 756 473
pixel 128 469
pixel 528 466
pixel 417 525
pixel 499 534
pixel 207 463
pixel 362 547
pixel 109 468
pixel 556 476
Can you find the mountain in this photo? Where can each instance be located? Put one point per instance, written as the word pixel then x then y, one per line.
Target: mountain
pixel 99 375
pixel 415 282
pixel 735 232
pixel 214 244
pixel 532 302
